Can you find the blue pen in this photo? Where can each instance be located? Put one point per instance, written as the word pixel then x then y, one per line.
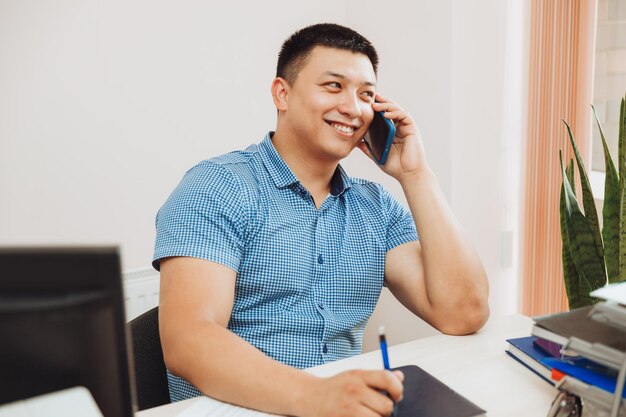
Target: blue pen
pixel 383 346
pixel 383 349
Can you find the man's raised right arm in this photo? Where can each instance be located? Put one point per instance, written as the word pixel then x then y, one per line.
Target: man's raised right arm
pixel 197 297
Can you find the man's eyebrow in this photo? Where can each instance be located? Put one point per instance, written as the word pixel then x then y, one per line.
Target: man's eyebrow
pixel 343 77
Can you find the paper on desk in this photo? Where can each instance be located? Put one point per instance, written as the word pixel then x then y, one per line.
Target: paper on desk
pixel 208 407
pixel 612 292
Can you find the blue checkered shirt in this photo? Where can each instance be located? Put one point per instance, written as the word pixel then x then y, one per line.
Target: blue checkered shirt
pixel 308 279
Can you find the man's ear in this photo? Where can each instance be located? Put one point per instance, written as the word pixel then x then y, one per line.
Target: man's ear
pixel 280 93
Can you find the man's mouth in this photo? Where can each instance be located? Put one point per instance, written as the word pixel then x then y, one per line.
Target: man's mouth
pixel 346 129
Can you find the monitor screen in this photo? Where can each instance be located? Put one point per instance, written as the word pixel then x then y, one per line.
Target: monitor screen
pixel 62 324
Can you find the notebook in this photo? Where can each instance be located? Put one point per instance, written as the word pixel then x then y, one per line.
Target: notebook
pixel 426 396
pixel 525 351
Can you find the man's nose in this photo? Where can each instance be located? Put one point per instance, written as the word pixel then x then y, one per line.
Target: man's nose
pixel 350 106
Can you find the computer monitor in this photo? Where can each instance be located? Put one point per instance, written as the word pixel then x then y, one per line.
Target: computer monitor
pixel 62 324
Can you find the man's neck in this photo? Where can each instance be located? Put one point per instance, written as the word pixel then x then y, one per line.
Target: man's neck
pixel 313 173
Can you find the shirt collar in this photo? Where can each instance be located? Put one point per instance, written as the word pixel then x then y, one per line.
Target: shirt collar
pixel 283 176
pixel 340 182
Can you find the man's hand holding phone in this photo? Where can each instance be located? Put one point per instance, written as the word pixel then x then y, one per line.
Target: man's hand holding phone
pixel 405 155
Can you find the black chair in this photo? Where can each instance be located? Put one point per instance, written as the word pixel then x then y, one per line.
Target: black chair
pixel 150 371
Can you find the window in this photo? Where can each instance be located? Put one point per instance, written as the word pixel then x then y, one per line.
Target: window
pixel 609 79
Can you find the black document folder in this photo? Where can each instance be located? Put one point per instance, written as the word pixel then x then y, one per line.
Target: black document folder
pixel 426 396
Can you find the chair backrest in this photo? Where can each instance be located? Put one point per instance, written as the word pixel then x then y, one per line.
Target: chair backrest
pixel 150 371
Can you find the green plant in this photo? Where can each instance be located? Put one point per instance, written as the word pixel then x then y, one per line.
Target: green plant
pixel 592 258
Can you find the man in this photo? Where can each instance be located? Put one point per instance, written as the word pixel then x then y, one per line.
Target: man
pixel 272 258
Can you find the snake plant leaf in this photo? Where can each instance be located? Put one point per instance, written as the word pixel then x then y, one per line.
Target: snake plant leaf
pixel 588 202
pixel 622 184
pixel 590 270
pixel 621 139
pixel 588 263
pixel 610 212
pixel 570 274
pixel 569 171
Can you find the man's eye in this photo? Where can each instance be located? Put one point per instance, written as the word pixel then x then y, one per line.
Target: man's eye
pixel 334 84
pixel 370 95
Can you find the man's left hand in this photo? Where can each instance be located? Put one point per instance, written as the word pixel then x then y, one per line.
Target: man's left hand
pixel 406 156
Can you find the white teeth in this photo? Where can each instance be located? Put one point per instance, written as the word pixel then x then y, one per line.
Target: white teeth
pixel 342 128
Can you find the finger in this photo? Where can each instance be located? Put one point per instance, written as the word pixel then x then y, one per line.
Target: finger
pixel 399 375
pixel 397 115
pixel 378 402
pixel 386 106
pixel 401 120
pixel 365 411
pixel 382 99
pixel 396 387
pixel 386 381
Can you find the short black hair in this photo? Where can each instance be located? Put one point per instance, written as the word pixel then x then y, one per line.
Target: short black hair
pixel 299 45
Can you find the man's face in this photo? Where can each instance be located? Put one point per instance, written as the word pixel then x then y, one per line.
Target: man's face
pixel 330 102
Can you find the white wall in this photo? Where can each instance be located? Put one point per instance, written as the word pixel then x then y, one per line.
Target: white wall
pixel 488 107
pixel 105 105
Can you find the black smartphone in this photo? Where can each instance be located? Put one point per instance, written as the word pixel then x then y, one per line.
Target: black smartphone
pixel 379 137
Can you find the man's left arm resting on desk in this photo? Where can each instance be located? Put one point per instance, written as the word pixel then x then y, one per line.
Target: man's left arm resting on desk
pixel 440 278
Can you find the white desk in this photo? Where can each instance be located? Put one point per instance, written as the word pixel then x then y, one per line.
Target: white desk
pixel 475 366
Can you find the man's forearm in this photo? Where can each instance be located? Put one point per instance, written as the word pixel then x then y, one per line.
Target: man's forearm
pixel 455 280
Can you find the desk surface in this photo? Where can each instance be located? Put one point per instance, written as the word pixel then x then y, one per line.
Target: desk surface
pixel 475 366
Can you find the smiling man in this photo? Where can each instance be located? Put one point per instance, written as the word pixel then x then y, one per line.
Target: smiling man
pixel 272 258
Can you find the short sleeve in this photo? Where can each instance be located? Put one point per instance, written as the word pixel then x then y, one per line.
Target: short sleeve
pixel 400 225
pixel 204 217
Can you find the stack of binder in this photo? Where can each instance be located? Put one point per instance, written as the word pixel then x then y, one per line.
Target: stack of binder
pixel 596 337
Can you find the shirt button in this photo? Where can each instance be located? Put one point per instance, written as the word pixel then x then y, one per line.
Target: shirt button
pixel 320 260
pixel 321 306
pixel 325 348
